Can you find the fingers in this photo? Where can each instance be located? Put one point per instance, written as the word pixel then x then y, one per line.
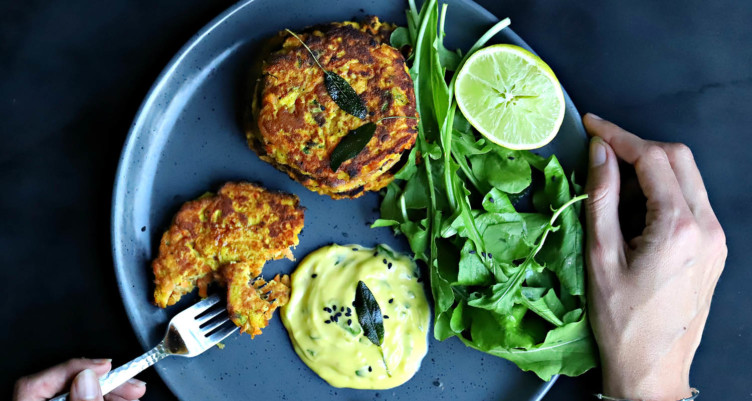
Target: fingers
pixel 605 241
pixel 85 387
pixel 659 183
pixel 47 383
pixel 131 390
pixel 689 178
pixel 627 146
pixel 630 148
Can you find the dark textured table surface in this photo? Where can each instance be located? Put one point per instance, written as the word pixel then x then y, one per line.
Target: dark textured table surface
pixel 73 73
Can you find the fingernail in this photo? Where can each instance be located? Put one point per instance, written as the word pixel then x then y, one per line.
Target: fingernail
pixel 101 361
pixel 594 117
pixel 86 385
pixel 597 152
pixel 136 382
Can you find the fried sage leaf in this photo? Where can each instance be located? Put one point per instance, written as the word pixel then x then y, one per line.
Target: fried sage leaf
pixel 351 145
pixel 369 314
pixel 339 89
pixel 344 95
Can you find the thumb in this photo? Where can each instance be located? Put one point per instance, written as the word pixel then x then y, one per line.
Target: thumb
pixel 604 239
pixel 86 387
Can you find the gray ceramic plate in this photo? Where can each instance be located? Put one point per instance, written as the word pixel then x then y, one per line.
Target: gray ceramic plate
pixel 186 140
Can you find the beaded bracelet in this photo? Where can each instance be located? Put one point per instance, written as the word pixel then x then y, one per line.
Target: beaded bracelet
pixel 695 393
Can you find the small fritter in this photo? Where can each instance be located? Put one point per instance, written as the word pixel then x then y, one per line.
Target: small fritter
pixel 237 230
pixel 295 124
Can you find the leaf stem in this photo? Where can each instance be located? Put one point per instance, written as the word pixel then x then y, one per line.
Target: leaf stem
pixel 395 117
pixel 383 359
pixel 307 48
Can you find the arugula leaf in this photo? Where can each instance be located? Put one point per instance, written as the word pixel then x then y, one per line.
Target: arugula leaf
pixel 569 350
pixel 564 253
pixel 400 37
pixel 503 169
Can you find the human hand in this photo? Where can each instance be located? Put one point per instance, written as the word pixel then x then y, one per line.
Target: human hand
pixel 81 376
pixel 650 295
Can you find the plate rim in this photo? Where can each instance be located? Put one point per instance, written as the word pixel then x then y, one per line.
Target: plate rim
pixel 119 190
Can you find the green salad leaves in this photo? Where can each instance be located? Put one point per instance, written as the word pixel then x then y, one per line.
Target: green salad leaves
pixel 504 281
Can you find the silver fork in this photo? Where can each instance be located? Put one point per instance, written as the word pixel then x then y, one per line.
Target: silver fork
pixel 190 333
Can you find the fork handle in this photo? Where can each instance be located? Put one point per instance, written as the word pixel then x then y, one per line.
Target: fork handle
pixel 118 376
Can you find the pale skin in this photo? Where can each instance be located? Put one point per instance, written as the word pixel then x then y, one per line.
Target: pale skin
pixel 649 295
pixel 80 377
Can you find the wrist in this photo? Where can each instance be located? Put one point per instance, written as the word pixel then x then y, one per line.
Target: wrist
pixel 651 385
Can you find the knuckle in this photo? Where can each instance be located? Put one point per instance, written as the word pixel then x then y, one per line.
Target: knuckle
pixel 601 256
pixel 680 151
pixel 598 196
pixel 654 153
pixel 686 230
pixel 717 237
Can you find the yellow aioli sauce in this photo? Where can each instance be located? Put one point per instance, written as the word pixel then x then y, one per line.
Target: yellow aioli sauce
pixel 338 351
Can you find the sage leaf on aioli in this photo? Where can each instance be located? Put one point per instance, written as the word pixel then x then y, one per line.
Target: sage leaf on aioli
pixel 370 318
pixel 339 89
pixel 369 314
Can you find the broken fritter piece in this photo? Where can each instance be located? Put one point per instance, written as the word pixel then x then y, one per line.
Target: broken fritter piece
pixel 251 301
pixel 226 237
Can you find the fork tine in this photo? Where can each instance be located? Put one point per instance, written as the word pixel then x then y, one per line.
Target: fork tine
pixel 209 315
pixel 223 333
pixel 203 304
pixel 214 324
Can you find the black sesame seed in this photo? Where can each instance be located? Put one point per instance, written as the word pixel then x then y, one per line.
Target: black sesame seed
pixel 327 310
pixel 349 322
pixel 489 255
pixel 327 321
pixel 472 252
pixel 348 314
pixel 491 200
pixel 375 253
pixel 334 307
pixel 355 249
pixel 386 316
pixel 349 310
pixel 370 369
pixel 384 261
pixel 391 300
pixel 314 275
pixel 341 308
pixel 510 157
pixel 389 266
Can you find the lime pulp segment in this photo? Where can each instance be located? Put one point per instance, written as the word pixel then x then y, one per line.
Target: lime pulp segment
pixel 511 97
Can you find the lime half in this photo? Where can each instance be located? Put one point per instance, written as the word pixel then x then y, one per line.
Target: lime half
pixel 510 96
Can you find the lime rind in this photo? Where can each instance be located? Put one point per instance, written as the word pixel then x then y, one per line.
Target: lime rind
pixel 511 97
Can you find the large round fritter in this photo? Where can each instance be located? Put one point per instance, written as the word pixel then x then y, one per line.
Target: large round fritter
pixel 297 125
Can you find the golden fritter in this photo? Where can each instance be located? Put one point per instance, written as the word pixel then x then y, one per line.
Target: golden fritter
pixel 225 238
pixel 295 124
